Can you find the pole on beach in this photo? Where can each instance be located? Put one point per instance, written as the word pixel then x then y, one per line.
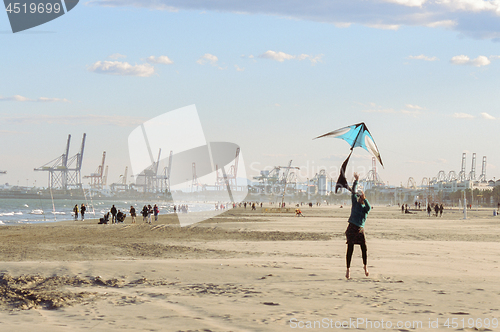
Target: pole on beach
pixel 465 206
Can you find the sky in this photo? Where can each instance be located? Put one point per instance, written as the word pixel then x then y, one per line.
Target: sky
pixel 270 76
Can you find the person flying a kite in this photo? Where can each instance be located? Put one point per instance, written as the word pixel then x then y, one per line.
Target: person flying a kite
pixel 357 136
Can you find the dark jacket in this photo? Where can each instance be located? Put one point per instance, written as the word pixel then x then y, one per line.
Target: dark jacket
pixel 358 211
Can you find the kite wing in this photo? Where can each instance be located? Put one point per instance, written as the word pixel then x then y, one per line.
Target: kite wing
pixel 357 135
pixel 342 181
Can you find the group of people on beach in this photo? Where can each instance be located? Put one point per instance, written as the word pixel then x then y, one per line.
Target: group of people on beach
pixel 181 208
pixel 116 216
pixel 148 212
pixel 438 209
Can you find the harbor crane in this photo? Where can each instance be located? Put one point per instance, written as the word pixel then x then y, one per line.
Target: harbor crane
pixel 97 178
pixel 230 176
pixel 164 178
pixel 64 172
pixel 122 185
pixel 148 178
pixel 482 177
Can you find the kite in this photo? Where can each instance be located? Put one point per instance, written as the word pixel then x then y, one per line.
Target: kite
pixel 356 135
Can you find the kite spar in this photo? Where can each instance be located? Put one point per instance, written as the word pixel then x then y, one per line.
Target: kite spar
pixel 356 135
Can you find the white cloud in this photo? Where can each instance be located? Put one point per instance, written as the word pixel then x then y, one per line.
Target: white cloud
pixel 52 100
pixel 412 110
pixel 117 56
pixel 465 60
pixel 474 18
pixel 41 99
pixel 460 60
pixel 409 3
pixel 463 116
pixel 480 61
pixel 238 68
pixel 422 57
pixel 415 107
pixel 448 24
pixel 383 26
pixel 208 58
pixel 122 68
pixel 88 119
pixel 413 113
pixel 277 56
pixel 15 98
pixel 314 59
pixel 487 116
pixel 342 24
pixel 162 59
pixel 472 5
pixel 282 56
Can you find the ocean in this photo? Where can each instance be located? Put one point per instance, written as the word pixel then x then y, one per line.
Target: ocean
pixel 32 211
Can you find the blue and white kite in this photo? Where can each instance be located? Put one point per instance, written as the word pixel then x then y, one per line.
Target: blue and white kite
pixel 356 135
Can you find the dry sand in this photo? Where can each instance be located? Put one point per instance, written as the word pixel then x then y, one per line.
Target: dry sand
pixel 252 271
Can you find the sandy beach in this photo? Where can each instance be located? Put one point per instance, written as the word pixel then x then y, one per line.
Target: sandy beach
pixel 253 271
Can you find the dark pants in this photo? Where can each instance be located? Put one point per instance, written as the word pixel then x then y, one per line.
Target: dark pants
pixel 350 250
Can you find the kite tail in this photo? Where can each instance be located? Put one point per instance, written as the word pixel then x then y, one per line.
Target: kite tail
pixel 342 181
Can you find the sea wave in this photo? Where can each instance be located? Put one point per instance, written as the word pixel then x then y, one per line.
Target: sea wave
pixel 7 214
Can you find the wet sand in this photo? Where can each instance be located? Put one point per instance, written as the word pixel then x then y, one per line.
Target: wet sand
pixel 252 271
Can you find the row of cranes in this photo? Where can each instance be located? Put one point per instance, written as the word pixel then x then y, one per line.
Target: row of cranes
pixel 276 181
pixel 282 180
pixel 64 173
pixel 452 176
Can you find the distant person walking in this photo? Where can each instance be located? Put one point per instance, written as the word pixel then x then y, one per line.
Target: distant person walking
pixel 156 211
pixel 132 214
pixel 436 209
pixel 355 233
pixel 150 213
pixel 144 213
pixel 82 211
pixel 75 211
pixel 429 210
pixel 441 208
pixel 113 214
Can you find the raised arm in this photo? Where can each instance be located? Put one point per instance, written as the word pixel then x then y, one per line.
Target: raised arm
pixel 355 188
